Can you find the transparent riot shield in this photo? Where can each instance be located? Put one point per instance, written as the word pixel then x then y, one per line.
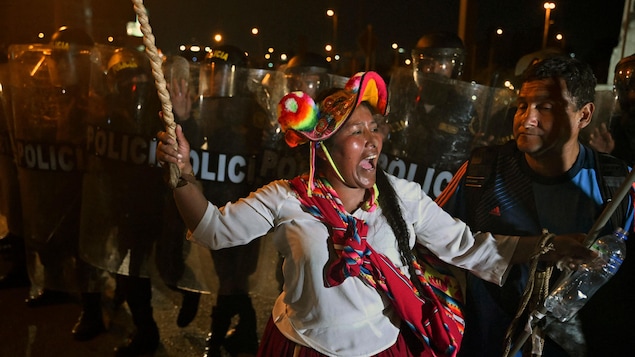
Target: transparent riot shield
pixel 181 263
pixel 49 99
pixel 435 123
pixel 338 81
pixel 268 87
pixel 11 236
pixel 10 202
pixel 276 161
pixel 607 108
pixel 231 123
pixel 235 150
pixel 123 188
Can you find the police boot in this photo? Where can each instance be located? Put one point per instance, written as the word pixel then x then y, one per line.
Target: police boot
pixel 189 307
pixel 145 340
pixel 222 315
pixel 243 340
pixel 12 250
pixel 90 322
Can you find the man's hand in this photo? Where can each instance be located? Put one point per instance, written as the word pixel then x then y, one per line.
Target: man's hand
pixel 601 139
pixel 181 99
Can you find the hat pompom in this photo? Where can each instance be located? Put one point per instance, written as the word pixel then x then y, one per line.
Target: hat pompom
pixel 297 111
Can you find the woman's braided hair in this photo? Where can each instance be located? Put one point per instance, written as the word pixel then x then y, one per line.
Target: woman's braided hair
pixel 389 203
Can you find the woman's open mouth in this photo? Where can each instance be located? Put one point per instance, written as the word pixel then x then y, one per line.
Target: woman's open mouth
pixel 368 163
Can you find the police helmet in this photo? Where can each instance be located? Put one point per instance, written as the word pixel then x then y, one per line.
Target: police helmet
pixel 70 56
pixel 128 73
pixel 133 94
pixel 441 53
pixel 227 55
pixel 308 72
pixel 224 73
pixel 125 67
pixel 624 82
pixel 66 38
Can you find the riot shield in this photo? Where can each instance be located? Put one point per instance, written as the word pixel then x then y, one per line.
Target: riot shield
pixel 607 109
pixel 181 263
pixel 123 188
pixel 268 87
pixel 276 159
pixel 49 98
pixel 338 81
pixel 231 123
pixel 10 203
pixel 234 151
pixel 436 122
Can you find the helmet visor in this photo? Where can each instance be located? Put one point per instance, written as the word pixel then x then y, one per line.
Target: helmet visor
pixel 222 80
pixel 310 82
pixel 447 62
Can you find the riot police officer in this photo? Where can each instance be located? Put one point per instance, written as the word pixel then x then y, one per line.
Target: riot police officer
pixel 123 188
pixel 228 112
pixel 431 121
pixel 172 267
pixel 623 126
pixel 12 242
pixel 57 92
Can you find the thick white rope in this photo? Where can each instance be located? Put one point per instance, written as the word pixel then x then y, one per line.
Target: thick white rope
pixel 155 62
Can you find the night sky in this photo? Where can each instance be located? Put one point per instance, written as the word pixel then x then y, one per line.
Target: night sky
pixel 591 28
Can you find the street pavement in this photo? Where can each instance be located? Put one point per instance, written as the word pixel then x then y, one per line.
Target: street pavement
pixel 46 331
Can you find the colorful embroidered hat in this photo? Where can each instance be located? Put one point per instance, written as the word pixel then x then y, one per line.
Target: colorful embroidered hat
pixel 302 120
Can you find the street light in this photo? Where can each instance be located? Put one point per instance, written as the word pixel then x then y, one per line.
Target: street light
pixel 256 33
pixel 548 7
pixel 561 40
pixel 395 47
pixel 331 13
pixel 494 45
